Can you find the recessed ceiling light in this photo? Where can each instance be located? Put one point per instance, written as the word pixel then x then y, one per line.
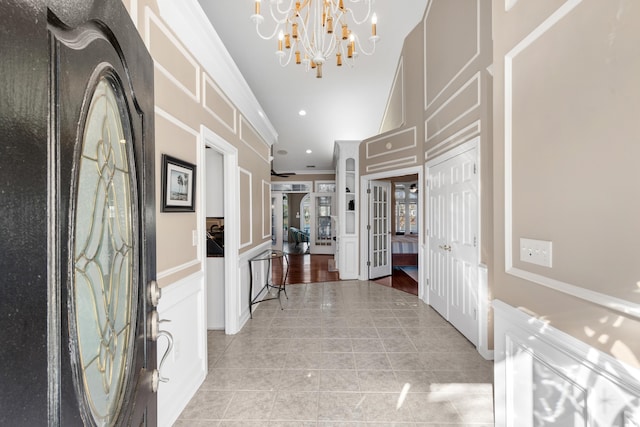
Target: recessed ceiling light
pixel 302 113
pixel 309 151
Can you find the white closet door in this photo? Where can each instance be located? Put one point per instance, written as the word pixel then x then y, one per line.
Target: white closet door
pixel 453 241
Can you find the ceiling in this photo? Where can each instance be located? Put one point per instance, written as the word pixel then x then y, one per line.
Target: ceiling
pixel 347 103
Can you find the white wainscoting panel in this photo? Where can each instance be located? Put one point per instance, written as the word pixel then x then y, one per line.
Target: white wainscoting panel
pixel 183 304
pixel 544 377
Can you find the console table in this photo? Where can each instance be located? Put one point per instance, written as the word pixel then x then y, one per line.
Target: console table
pixel 268 256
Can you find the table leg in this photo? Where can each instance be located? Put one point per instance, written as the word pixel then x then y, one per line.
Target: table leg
pixel 250 289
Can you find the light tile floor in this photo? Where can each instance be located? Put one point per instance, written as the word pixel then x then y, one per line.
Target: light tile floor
pixel 347 353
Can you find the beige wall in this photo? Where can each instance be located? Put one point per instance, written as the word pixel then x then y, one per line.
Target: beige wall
pixel 570 70
pixel 186 97
pixel 446 100
pixel 399 145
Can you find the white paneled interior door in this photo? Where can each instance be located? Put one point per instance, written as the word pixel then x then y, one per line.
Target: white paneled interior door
pixel 437 239
pixel 379 229
pixel 452 236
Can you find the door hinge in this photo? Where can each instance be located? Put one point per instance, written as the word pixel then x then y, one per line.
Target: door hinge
pixel 368 191
pixel 368 263
pixel 475 314
pixel 368 227
pixel 475 169
pixel 475 241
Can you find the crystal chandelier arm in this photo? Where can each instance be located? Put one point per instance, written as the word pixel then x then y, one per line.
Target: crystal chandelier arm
pixel 275 31
pixel 285 12
pixel 282 55
pixel 350 12
pixel 303 35
pixel 361 48
pixel 280 17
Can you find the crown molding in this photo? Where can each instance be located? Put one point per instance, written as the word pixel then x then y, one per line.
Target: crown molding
pixel 191 25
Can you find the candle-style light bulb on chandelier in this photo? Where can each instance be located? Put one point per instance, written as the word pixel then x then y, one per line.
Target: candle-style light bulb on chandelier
pixel 311 32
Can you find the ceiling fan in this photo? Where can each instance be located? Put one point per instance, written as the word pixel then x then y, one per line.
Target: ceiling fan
pixel 283 174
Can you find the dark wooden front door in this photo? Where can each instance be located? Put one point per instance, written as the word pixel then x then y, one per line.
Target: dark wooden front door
pixel 77 181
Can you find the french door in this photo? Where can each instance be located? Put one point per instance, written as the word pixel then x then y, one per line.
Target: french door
pixel 277 225
pixel 453 224
pixel 379 229
pixel 322 223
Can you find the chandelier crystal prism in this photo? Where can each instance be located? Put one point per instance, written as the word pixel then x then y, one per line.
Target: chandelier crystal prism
pixel 311 32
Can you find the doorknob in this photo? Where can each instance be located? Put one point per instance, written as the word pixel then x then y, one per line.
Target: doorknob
pixel 155 293
pixel 445 248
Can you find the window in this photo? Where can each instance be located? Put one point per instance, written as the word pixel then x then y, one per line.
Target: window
pixel 292 187
pixel 406 208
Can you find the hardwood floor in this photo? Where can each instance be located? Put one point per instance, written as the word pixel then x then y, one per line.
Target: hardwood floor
pixel 399 280
pixel 301 248
pixel 306 269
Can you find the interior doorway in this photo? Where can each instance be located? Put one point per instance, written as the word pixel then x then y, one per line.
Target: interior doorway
pixel 401 230
pixel 214 231
pixel 395 232
pixel 220 214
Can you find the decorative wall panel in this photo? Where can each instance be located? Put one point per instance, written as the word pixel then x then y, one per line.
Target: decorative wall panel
pixel 170 57
pixel 391 143
pixel 452 43
pixel 218 105
pixel 246 208
pixel 465 100
pixel 394 114
pixel 544 377
pixel 250 137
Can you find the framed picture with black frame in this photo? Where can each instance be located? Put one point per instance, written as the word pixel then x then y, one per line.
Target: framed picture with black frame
pixel 178 185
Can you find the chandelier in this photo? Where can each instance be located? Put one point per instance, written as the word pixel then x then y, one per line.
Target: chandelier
pixel 311 32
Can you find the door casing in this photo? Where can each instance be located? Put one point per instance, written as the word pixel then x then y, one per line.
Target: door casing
pixel 231 224
pixel 364 216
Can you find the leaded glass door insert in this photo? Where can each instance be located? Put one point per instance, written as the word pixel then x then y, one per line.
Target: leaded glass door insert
pixel 105 250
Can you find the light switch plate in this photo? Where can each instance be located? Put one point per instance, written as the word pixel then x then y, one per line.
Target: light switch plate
pixel 536 252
